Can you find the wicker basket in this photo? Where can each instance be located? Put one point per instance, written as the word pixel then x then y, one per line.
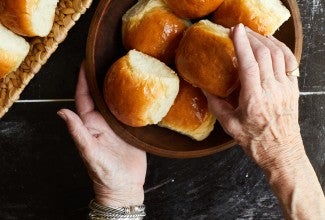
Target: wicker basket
pixel 11 86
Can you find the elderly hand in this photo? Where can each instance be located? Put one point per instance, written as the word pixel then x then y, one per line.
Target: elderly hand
pixel 265 123
pixel 116 168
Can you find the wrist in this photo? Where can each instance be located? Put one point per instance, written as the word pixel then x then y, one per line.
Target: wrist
pixel 278 154
pixel 298 190
pixel 287 161
pixel 131 197
pixel 286 169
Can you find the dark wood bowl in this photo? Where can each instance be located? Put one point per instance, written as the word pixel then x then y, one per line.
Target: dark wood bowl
pixel 104 47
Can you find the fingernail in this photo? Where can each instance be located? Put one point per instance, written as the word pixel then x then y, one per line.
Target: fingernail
pixel 62 115
pixel 241 28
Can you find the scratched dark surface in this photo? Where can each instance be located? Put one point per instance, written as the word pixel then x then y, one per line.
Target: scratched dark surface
pixel 42 175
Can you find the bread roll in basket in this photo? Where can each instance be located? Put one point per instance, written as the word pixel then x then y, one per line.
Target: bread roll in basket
pixel 28 17
pixel 13 50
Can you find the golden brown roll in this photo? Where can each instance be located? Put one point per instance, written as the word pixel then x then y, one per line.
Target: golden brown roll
pixel 206 58
pixel 28 17
pixel 264 17
pixel 139 90
pixel 150 27
pixel 193 8
pixel 190 114
pixel 13 50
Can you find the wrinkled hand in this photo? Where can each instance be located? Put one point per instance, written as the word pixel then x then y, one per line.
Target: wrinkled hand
pixel 265 123
pixel 116 168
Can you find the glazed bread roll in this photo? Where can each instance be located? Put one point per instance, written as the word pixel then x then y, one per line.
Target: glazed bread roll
pixel 206 58
pixel 264 17
pixel 193 8
pixel 139 90
pixel 13 50
pixel 190 114
pixel 28 17
pixel 150 27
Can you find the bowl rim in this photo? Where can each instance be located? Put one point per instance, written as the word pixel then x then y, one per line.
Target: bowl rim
pixel 131 139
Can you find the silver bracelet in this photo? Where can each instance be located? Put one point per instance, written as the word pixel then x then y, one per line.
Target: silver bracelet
pixel 99 212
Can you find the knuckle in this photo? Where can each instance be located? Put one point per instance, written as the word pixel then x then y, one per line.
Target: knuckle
pixel 253 102
pixel 268 83
pixel 277 53
pixel 282 45
pixel 256 113
pixel 263 52
pixel 250 67
pixel 259 120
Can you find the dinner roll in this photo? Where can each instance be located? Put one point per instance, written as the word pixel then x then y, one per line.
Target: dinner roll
pixel 13 50
pixel 206 58
pixel 139 90
pixel 28 17
pixel 264 17
pixel 193 8
pixel 190 114
pixel 150 27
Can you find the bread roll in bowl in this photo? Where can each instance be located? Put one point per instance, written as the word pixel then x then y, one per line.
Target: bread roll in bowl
pixel 150 27
pixel 206 58
pixel 193 8
pixel 28 17
pixel 264 17
pixel 13 50
pixel 190 114
pixel 139 90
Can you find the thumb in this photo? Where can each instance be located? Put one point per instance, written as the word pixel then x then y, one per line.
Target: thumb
pixel 224 112
pixel 77 129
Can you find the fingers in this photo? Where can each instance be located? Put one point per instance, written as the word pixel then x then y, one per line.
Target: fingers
pixel 249 74
pixel 290 59
pixel 277 56
pixel 78 131
pixel 263 57
pixel 225 114
pixel 273 57
pixel 84 102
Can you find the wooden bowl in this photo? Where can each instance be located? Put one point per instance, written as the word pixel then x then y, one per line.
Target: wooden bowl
pixel 104 47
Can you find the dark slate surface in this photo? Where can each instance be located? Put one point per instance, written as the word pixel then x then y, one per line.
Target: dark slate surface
pixel 313 68
pixel 42 175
